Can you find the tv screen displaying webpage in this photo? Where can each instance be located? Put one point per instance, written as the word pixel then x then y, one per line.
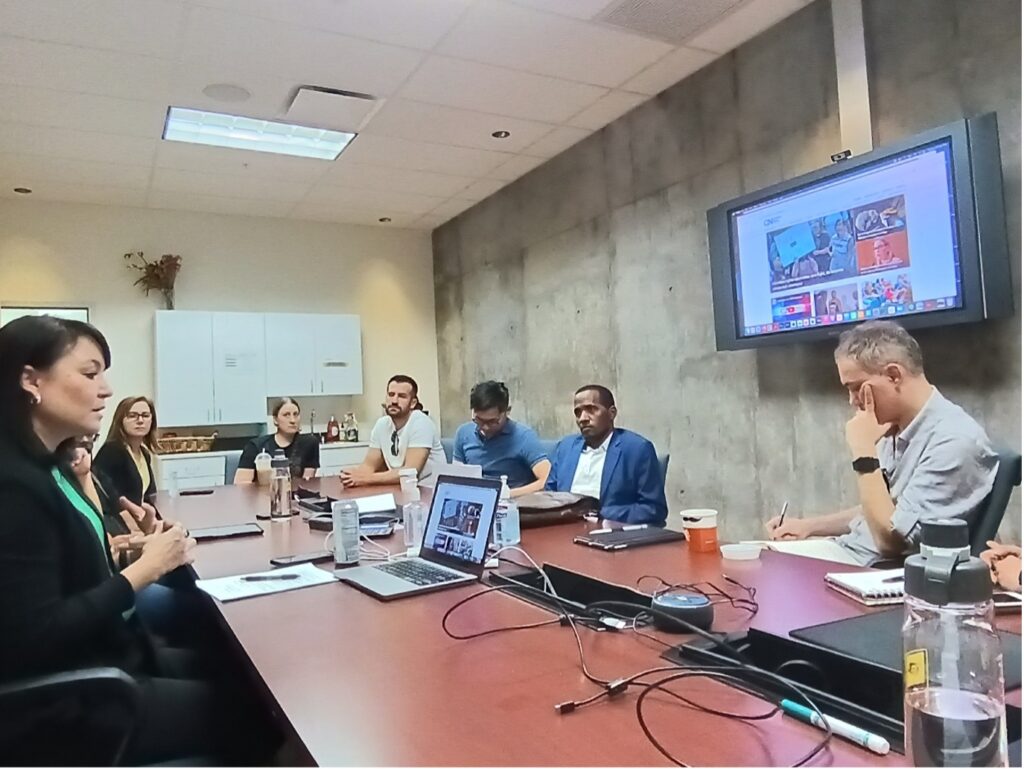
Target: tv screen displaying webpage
pixel 878 241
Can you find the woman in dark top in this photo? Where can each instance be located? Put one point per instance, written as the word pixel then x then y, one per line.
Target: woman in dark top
pixel 64 604
pixel 126 457
pixel 303 451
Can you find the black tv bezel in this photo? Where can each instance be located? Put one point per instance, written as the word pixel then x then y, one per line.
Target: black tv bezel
pixel 981 229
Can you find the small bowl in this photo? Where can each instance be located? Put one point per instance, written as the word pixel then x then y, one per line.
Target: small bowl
pixel 741 552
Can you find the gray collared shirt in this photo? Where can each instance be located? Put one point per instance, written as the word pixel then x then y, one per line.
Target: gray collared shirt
pixel 942 465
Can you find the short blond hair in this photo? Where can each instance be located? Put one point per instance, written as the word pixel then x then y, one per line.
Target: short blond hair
pixel 877 343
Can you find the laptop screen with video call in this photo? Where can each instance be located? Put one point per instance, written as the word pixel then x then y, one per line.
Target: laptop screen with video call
pixel 461 514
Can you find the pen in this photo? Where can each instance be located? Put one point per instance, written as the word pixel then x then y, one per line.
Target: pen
pixel 600 531
pixel 782 515
pixel 865 739
pixel 635 527
pixel 268 577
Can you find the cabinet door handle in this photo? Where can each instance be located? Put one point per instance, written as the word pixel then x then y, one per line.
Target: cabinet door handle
pixel 321 386
pixel 311 390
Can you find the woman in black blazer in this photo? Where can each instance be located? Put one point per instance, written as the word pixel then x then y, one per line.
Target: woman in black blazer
pixel 64 604
pixel 126 457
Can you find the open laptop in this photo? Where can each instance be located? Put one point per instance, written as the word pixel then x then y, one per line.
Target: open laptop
pixel 453 470
pixel 454 547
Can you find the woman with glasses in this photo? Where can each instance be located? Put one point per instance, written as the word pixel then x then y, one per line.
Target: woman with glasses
pixel 302 451
pixel 126 458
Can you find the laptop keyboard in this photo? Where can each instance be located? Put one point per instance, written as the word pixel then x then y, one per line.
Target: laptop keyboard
pixel 418 572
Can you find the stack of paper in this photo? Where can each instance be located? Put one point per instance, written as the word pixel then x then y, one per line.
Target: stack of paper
pixel 822 549
pixel 227 589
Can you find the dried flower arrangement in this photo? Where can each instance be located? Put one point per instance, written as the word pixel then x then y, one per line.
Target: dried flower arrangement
pixel 156 276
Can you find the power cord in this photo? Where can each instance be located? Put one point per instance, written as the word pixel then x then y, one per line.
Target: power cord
pixel 733 675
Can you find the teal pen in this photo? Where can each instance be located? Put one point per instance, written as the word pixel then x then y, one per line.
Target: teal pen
pixel 865 739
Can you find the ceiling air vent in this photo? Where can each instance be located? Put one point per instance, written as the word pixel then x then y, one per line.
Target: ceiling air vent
pixel 673 21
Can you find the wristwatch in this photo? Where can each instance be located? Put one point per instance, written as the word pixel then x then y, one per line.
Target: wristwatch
pixel 865 465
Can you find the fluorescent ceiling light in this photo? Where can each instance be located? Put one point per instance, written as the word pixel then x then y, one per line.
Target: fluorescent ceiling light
pixel 245 133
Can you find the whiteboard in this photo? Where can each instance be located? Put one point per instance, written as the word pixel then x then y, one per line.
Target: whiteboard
pixel 7 314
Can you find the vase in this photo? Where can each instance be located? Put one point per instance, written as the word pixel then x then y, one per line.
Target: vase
pixel 168 297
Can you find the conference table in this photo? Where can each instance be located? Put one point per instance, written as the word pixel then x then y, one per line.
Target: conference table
pixel 357 681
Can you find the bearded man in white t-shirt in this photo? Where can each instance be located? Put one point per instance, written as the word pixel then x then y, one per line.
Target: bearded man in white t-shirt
pixel 405 438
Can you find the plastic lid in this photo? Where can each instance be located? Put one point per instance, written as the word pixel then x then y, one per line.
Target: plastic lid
pixel 944 571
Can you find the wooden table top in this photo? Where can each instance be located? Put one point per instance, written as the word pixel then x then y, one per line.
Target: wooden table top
pixel 362 682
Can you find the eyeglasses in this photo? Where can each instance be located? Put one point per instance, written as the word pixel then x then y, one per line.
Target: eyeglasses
pixel 137 417
pixel 488 422
pixel 394 443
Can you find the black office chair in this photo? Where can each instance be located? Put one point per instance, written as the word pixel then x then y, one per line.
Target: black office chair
pixel 109 689
pixel 1008 476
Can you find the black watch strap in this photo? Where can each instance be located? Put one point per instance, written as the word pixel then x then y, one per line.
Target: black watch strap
pixel 865 465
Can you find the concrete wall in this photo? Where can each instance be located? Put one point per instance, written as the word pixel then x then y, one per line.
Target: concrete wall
pixel 594 266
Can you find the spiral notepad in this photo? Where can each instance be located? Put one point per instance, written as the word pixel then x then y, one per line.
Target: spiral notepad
pixel 872 588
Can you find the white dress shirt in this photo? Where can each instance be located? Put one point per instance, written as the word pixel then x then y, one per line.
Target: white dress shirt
pixel 587 480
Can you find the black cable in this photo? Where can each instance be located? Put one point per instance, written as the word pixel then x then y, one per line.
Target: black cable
pixel 733 678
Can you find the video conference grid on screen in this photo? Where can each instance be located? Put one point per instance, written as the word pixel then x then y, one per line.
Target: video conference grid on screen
pixel 877 242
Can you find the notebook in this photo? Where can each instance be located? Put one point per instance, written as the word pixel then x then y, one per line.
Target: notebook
pixel 822 549
pixel 872 588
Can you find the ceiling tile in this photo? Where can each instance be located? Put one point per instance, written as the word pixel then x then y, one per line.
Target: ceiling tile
pixel 239 163
pixel 669 71
pixel 397 22
pixel 525 39
pixel 609 107
pixel 67 68
pixel 384 202
pixel 497 90
pixel 578 9
pixel 345 173
pixel 226 186
pixel 559 140
pixel 482 188
pixel 233 41
pixel 447 125
pixel 18 170
pixel 743 23
pixel 422 156
pixel 189 201
pixel 270 94
pixel 145 27
pixel 45 107
pixel 515 167
pixel 82 193
pixel 346 214
pixel 453 207
pixel 83 145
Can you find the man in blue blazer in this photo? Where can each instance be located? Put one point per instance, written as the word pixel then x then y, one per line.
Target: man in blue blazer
pixel 615 466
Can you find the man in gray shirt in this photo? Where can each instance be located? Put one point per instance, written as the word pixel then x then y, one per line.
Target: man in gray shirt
pixel 917 456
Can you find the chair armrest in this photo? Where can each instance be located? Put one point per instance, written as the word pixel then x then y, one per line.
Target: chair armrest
pixel 111 686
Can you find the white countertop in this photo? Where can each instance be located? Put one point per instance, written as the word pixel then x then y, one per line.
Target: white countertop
pixel 323 447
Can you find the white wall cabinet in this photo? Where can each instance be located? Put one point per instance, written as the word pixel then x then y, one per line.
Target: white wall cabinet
pixel 291 354
pixel 334 457
pixel 313 354
pixel 219 368
pixel 239 368
pixel 210 368
pixel 184 368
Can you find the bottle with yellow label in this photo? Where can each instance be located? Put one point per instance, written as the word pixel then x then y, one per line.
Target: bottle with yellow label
pixel 954 708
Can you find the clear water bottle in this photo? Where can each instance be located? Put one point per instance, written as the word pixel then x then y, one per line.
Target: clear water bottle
pixel 954 710
pixel 172 483
pixel 414 515
pixel 280 487
pixel 506 518
pixel 345 524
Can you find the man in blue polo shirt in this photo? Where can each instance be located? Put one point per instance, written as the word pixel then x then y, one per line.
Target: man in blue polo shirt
pixel 499 445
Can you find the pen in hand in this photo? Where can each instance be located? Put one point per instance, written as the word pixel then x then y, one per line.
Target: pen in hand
pixel 268 577
pixel 782 515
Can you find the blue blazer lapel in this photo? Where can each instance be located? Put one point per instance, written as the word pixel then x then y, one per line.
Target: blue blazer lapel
pixel 614 452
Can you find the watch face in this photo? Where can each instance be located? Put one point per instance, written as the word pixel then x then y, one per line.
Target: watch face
pixel 865 464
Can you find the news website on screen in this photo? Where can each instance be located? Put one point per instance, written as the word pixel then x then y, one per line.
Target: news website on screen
pixel 879 241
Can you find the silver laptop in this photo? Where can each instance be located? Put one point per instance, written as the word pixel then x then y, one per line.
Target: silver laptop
pixel 454 547
pixel 453 470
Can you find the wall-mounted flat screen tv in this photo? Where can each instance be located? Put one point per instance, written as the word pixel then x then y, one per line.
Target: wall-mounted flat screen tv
pixel 913 232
